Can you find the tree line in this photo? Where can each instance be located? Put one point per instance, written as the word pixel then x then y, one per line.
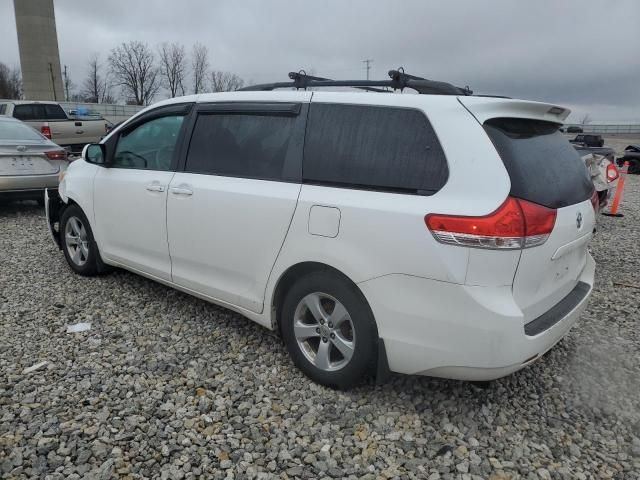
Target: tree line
pixel 137 73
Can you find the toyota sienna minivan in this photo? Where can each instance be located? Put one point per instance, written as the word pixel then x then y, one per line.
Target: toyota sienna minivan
pixel 439 233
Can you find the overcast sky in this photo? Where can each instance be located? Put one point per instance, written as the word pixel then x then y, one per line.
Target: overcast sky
pixel 582 54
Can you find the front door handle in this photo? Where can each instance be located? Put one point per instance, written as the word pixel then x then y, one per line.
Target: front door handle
pixel 154 187
pixel 181 191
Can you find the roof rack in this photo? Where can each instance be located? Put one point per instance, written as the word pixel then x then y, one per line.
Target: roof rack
pixel 399 80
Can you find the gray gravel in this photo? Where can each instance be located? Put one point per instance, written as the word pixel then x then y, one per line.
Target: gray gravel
pixel 164 385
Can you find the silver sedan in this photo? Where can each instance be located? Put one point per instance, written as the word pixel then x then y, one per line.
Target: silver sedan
pixel 29 162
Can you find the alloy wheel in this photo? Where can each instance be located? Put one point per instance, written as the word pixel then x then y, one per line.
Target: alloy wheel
pixel 76 241
pixel 324 331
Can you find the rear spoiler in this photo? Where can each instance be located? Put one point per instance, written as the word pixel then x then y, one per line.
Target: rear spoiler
pixel 484 108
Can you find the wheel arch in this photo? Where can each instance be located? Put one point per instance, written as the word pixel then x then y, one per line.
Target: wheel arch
pixel 298 270
pixel 289 277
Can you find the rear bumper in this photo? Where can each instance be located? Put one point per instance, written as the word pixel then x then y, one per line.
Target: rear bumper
pixel 27 183
pixel 455 331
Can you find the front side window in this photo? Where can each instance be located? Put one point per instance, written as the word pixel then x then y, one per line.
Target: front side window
pixel 372 147
pixel 240 145
pixel 54 112
pixel 149 146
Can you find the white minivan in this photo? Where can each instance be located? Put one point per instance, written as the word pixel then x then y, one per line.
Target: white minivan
pixel 439 234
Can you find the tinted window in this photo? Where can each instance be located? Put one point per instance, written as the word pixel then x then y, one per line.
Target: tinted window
pixel 149 146
pixel 25 112
pixel 373 147
pixel 54 112
pixel 543 166
pixel 3 109
pixel 237 145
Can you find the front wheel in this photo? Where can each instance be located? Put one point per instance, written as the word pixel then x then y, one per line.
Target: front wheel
pixel 329 330
pixel 78 245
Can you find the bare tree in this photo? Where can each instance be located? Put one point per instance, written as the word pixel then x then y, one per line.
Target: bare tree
pixel 96 88
pixel 199 65
pixel 133 67
pixel 173 66
pixel 225 81
pixel 586 119
pixel 10 82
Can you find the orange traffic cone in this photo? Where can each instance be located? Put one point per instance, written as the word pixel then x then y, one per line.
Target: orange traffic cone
pixel 617 198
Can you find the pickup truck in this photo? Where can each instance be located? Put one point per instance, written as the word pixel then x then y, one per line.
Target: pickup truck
pixel 590 140
pixel 50 119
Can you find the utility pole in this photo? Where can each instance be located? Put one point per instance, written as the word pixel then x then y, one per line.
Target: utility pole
pixel 53 81
pixel 367 62
pixel 66 82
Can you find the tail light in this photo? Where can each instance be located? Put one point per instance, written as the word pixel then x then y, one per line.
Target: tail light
pixel 56 154
pixel 46 131
pixel 612 173
pixel 515 224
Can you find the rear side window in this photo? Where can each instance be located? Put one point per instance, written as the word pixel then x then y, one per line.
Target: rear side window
pixel 25 112
pixel 3 109
pixel 543 166
pixel 378 148
pixel 242 145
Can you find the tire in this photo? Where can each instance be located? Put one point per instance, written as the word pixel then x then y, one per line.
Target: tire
pixel 318 337
pixel 78 245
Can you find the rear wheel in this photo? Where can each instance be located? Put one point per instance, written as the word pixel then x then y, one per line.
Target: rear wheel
pixel 329 330
pixel 77 242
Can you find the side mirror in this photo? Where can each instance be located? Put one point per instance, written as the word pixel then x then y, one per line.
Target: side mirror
pixel 94 153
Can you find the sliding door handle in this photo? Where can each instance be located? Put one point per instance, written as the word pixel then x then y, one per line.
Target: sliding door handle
pixel 181 191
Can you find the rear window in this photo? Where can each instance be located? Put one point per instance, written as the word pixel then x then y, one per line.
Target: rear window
pixel 377 148
pixel 39 112
pixel 12 130
pixel 543 166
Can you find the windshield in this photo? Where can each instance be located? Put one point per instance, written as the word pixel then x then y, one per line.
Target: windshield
pixel 10 130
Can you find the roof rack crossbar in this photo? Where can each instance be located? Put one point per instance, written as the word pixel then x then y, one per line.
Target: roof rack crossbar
pixel 398 81
pixel 302 80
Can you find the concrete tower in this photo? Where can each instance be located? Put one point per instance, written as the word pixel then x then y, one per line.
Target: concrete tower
pixel 39 55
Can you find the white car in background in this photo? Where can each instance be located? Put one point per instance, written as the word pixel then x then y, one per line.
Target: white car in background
pixel 443 235
pixel 600 162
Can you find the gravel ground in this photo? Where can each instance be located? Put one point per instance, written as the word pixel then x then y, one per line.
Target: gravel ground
pixel 164 385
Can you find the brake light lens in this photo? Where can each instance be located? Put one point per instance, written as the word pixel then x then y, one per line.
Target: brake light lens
pixel 46 130
pixel 612 173
pixel 56 155
pixel 515 224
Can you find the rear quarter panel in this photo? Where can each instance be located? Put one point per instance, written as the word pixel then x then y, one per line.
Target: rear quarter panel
pixel 384 233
